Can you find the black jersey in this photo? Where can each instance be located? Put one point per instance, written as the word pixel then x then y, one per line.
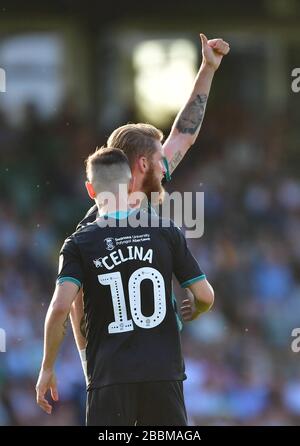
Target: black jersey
pixel 126 274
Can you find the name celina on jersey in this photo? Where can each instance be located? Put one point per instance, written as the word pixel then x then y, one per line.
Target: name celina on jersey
pixel 120 256
pixel 131 318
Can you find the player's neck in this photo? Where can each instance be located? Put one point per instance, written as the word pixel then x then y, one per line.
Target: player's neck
pixel 113 206
pixel 137 184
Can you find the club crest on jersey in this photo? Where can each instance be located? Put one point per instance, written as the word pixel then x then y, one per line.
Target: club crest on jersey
pixel 109 243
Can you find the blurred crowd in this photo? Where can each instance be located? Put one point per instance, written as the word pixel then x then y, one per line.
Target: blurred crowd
pixel 240 366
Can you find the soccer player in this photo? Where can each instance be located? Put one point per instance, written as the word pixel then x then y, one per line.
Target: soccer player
pixel 140 142
pixel 135 367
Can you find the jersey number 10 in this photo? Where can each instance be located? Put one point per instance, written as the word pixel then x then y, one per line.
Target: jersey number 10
pixel 121 322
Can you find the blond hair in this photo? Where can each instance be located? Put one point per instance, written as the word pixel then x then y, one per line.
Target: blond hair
pixel 135 140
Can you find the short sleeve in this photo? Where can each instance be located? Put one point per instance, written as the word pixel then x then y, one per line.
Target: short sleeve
pixel 185 266
pixel 70 264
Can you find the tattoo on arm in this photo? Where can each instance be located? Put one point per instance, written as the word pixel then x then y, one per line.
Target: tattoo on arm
pixel 82 327
pixel 65 325
pixel 173 163
pixel 191 117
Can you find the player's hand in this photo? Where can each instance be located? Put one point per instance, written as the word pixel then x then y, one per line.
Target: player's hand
pixel 213 51
pixel 188 309
pixel 46 381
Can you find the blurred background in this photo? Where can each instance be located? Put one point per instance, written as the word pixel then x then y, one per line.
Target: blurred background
pixel 74 72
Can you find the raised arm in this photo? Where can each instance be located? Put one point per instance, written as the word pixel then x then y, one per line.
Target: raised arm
pixel 55 330
pixel 188 122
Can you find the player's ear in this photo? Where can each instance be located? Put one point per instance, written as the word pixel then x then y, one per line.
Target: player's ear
pixel 143 164
pixel 90 190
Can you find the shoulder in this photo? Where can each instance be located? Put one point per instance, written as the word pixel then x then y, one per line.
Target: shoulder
pixel 167 227
pixel 89 217
pixel 173 234
pixel 82 234
pixel 85 232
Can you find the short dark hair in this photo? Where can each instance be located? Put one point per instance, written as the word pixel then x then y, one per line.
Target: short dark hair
pixel 105 156
pixel 107 167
